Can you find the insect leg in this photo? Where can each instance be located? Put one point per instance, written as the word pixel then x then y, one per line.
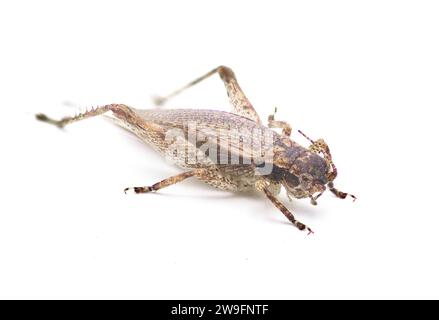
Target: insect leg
pixel 340 194
pixel 240 104
pixel 320 146
pixel 285 126
pixel 168 181
pixel 284 209
pixel 116 108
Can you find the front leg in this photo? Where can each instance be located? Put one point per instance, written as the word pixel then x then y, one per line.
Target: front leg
pixel 340 194
pixel 320 146
pixel 262 186
pixel 285 126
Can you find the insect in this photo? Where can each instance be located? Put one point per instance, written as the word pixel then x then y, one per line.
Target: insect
pixel 195 140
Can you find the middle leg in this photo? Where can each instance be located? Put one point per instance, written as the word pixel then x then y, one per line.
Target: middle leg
pixel 168 181
pixel 262 186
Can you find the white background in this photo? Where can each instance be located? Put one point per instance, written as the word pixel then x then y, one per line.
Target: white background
pixel 363 75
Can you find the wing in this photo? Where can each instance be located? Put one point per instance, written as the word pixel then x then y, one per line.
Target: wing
pixel 197 138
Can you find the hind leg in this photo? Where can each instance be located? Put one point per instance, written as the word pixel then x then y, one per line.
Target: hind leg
pixel 240 104
pixel 116 108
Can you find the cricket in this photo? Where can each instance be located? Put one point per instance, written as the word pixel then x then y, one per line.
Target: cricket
pixel 230 151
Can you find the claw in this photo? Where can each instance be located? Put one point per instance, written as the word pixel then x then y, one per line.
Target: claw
pixel 138 190
pixel 340 194
pixel 158 101
pixel 302 227
pixel 42 117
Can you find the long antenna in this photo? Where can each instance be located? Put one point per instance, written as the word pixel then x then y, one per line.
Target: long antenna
pixel 308 138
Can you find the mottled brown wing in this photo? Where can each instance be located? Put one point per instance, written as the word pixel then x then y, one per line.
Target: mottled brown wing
pixel 231 135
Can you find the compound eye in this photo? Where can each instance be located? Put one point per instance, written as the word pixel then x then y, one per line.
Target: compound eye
pixel 306 180
pixel 291 180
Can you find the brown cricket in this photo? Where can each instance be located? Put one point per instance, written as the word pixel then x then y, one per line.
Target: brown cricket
pixel 229 150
